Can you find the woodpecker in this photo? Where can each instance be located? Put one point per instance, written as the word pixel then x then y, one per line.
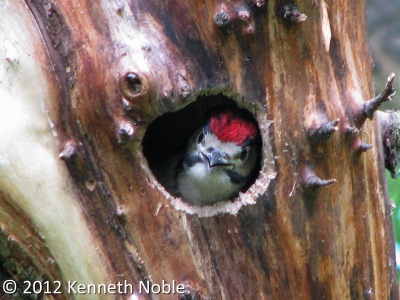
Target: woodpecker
pixel 220 159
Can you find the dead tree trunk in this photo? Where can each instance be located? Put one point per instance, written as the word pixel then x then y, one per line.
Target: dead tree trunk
pixel 83 84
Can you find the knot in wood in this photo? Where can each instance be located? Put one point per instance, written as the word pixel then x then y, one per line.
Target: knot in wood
pixel 259 3
pixel 222 19
pixel 125 131
pixel 292 13
pixel 133 83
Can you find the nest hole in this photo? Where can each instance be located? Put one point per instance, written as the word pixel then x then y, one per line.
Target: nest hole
pixel 167 136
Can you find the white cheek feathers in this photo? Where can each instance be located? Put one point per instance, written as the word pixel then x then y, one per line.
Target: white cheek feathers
pixel 200 185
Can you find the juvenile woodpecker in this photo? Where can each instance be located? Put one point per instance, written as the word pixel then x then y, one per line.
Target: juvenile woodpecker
pixel 221 158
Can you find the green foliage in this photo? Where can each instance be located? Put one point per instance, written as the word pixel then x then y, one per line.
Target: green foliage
pixel 394 193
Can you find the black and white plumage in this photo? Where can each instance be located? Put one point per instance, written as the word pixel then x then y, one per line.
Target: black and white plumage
pixel 220 159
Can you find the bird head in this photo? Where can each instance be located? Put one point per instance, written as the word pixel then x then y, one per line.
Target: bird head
pixel 221 156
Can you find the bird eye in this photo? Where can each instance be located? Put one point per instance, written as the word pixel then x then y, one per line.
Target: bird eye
pixel 244 153
pixel 200 138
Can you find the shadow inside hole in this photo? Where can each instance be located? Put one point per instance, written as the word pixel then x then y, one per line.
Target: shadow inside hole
pixel 166 138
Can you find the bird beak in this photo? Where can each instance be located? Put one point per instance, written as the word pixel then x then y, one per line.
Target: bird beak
pixel 215 158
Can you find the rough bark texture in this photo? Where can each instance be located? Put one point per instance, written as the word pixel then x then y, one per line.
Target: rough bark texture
pixel 82 81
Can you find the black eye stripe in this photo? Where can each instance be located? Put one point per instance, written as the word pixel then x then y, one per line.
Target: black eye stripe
pixel 243 154
pixel 235 177
pixel 200 137
pixel 191 159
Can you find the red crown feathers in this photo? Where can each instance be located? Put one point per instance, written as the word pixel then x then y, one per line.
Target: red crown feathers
pixel 231 127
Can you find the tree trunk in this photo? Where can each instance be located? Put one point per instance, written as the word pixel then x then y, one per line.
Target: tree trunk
pixel 83 84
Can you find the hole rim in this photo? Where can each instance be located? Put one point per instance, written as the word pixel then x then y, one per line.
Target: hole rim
pixel 267 171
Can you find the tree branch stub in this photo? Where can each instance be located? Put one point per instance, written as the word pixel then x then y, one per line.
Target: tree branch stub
pixel 372 105
pixel 323 132
pixel 311 181
pixel 291 13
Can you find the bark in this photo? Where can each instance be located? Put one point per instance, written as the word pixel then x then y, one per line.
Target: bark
pixel 82 85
